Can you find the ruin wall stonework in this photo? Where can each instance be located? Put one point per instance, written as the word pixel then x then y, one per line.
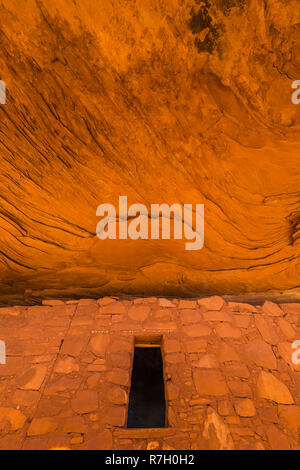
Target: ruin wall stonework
pixel 230 380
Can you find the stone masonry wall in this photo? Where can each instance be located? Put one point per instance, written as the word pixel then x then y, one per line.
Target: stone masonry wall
pixel 229 376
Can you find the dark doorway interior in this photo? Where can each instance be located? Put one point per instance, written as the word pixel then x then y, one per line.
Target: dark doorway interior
pixel 147 405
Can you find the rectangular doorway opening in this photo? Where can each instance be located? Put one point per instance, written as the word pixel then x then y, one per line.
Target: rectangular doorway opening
pixel 147 404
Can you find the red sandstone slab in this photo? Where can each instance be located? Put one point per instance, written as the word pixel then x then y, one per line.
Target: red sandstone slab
pixel 13 417
pixel 272 309
pixel 242 321
pixel 11 311
pixel 53 303
pixel 271 388
pixel 106 301
pixel 160 326
pixel 261 353
pixel 85 401
pixel 52 406
pixel 83 320
pixel 268 413
pixel 98 343
pixel 206 361
pixel 58 321
pixel 99 440
pixel 277 439
pixel 190 316
pixel 171 345
pixel 236 370
pixel 118 396
pixel 62 384
pixel 226 330
pixel 210 382
pixel 164 314
pixel 40 426
pixel 291 308
pixel 239 388
pixel 73 345
pixel 225 408
pixel 27 398
pixel 118 376
pixel 150 300
pixel 267 329
pixel 144 433
pixel 212 303
pixel 113 308
pixel 244 407
pixel 75 424
pixel 85 302
pixel 197 330
pixel 33 378
pixel 114 415
pixel 139 312
pixel 14 366
pixel 227 353
pixel 241 307
pixel 175 358
pixel 66 365
pixel 290 415
pixel 122 360
pixel 121 344
pixel 187 304
pixel 218 316
pixel 127 325
pixel 196 346
pixel 165 303
pixel 287 329
pixel 97 368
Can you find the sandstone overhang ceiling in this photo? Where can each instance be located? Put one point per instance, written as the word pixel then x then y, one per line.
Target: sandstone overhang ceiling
pixel 181 101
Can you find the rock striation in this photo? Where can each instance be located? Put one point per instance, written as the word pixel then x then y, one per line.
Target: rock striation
pixel 165 102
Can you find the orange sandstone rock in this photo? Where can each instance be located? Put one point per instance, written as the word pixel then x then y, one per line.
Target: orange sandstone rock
pixel 197 330
pixel 98 343
pixel 260 353
pixel 278 440
pixel 139 312
pixel 271 388
pixel 245 407
pixel 290 415
pixel 193 109
pixel 210 382
pixel 12 418
pixel 272 309
pixel 33 378
pixel 85 401
pixel 40 426
pixel 212 303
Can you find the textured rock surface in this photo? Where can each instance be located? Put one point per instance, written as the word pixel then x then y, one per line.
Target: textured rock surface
pixel 218 395
pixel 178 101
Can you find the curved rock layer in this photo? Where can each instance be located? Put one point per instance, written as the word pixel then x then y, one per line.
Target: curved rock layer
pixel 180 101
